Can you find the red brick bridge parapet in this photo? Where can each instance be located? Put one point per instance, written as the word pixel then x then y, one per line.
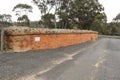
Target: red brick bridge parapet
pixel 21 39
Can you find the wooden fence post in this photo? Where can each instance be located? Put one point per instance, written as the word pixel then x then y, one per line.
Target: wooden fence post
pixel 2 38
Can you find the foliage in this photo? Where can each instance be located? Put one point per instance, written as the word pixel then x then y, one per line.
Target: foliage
pixel 23 20
pixel 20 8
pixel 114 28
pixel 21 11
pixel 100 24
pixel 83 12
pixel 46 6
pixel 115 25
pixel 5 20
pixel 117 18
pixel 48 20
pixel 71 12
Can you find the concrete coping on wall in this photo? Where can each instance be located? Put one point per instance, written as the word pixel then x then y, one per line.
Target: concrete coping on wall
pixel 13 30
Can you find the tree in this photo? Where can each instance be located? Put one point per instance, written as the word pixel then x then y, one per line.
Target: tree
pixel 100 24
pixel 48 20
pixel 5 20
pixel 117 18
pixel 115 25
pixel 45 7
pixel 42 5
pixel 83 12
pixel 114 28
pixel 64 14
pixel 56 5
pixel 70 13
pixel 21 11
pixel 23 20
pixel 78 13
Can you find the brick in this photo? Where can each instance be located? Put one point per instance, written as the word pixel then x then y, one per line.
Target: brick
pixel 25 42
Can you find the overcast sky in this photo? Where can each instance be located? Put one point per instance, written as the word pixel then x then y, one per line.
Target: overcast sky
pixel 6 6
pixel 112 8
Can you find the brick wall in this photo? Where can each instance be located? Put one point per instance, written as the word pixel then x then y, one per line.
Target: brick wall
pixel 25 42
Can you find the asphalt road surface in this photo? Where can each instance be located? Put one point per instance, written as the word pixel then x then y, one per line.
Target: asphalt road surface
pixel 98 60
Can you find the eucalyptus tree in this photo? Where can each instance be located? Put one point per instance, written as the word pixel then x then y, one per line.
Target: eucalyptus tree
pixel 64 13
pixel 70 13
pixel 117 18
pixel 100 23
pixel 42 5
pixel 5 19
pixel 79 13
pixel 115 25
pixel 83 12
pixel 21 10
pixel 24 20
pixel 48 20
pixel 48 7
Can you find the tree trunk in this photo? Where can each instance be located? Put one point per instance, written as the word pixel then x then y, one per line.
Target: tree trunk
pixel 55 18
